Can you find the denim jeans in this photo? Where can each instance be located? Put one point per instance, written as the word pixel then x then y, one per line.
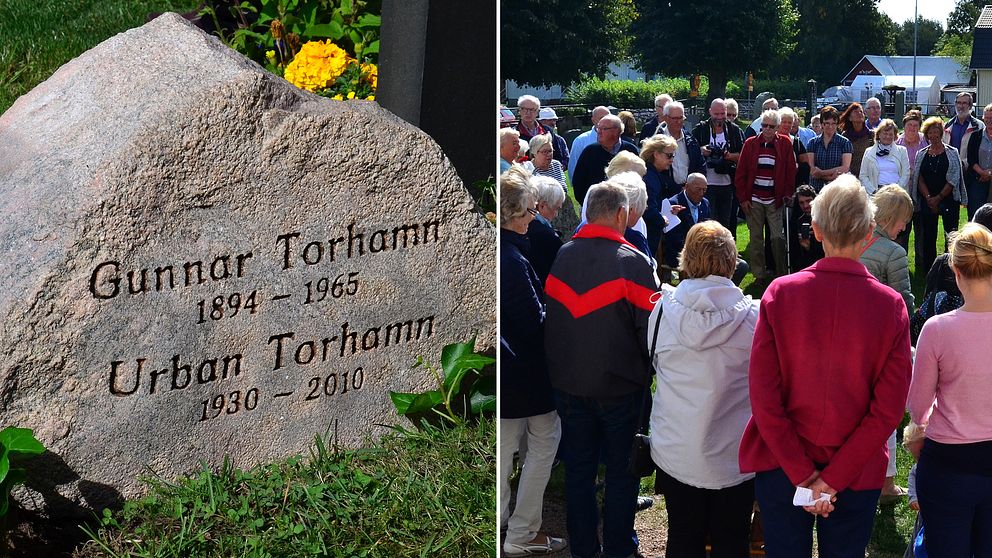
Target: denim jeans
pixel 789 529
pixel 595 430
pixel 978 195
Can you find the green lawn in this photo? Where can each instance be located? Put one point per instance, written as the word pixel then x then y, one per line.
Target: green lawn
pixel 40 36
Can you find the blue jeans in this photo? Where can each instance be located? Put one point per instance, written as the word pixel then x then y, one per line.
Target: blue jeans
pixel 789 529
pixel 595 430
pixel 978 195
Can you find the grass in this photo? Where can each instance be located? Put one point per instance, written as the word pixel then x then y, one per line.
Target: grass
pixel 40 36
pixel 427 493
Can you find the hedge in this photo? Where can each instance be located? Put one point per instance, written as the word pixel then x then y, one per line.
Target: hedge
pixel 627 94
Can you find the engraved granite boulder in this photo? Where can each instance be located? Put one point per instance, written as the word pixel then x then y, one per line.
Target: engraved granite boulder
pixel 199 260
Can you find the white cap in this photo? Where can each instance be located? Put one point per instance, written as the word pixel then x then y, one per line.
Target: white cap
pixel 547 113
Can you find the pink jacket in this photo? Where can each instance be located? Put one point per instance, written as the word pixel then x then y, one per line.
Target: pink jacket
pixel 830 370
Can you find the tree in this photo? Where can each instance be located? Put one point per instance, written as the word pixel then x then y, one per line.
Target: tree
pixel 930 32
pixel 962 19
pixel 542 45
pixel 682 37
pixel 956 46
pixel 835 35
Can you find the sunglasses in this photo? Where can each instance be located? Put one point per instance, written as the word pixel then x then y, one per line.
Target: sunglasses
pixel 764 126
pixel 669 155
pixel 532 211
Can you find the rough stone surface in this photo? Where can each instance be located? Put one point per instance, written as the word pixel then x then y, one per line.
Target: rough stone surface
pixel 161 148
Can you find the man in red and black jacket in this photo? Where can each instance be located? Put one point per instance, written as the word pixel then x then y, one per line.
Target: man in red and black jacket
pixel 598 303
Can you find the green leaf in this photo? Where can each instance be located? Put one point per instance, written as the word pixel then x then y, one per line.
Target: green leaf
pixel 16 476
pixel 484 395
pixel 20 440
pixel 355 36
pixel 330 30
pixel 371 48
pixel 369 20
pixel 4 463
pixel 346 7
pixel 454 351
pixel 407 403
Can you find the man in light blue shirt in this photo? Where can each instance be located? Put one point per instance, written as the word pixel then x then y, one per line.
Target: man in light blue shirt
pixel 585 139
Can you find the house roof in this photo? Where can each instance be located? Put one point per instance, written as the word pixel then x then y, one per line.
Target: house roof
pixel 981 52
pixel 945 68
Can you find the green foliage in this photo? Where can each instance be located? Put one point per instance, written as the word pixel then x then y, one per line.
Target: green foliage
pixel 38 37
pixel 484 192
pixel 548 45
pixel 351 24
pixel 835 35
pixel 957 46
pixel 684 37
pixel 962 20
pixel 627 94
pixel 15 443
pixel 929 32
pixel 427 493
pixel 462 391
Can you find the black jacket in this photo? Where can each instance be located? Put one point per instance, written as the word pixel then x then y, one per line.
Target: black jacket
pixel 598 301
pixel 590 168
pixel 734 135
pixel 524 383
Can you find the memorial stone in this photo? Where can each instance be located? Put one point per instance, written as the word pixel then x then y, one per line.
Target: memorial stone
pixel 199 260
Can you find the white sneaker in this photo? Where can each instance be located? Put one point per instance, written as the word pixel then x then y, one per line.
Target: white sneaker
pixel 551 544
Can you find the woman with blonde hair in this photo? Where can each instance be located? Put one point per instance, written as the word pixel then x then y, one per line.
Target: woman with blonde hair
pixel 700 333
pixel 949 397
pixel 821 417
pixel 658 153
pixel 629 126
pixel 886 162
pixel 887 261
pixel 937 190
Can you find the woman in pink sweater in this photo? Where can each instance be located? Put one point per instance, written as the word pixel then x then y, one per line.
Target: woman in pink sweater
pixel 952 382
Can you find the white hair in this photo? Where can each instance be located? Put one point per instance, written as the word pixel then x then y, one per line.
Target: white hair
pixel 604 200
pixel 786 111
pixel 662 97
pixel 673 104
pixel 549 190
pixel 524 147
pixel 768 103
pixel 539 141
pixel 843 211
pixel 731 103
pixel 531 98
pixel 873 100
pixel 637 193
pixel 771 115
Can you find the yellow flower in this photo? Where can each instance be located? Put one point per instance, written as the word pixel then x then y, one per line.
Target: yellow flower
pixel 351 94
pixel 371 72
pixel 317 65
pixel 338 97
pixel 370 98
pixel 270 55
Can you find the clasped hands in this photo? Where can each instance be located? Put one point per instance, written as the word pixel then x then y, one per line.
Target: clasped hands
pixel 818 486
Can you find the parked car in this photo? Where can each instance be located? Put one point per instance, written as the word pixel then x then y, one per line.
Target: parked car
pixel 506 117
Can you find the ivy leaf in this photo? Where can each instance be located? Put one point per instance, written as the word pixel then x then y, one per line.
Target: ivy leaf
pixel 408 403
pixel 484 395
pixel 20 440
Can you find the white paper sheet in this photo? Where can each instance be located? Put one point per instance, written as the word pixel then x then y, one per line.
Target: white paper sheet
pixel 666 211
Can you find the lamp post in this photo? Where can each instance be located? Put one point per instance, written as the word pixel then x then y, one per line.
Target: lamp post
pixel 812 100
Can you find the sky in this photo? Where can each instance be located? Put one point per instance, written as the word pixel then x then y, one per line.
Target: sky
pixel 902 10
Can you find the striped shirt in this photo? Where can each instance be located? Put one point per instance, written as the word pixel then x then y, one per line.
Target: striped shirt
pixel 764 176
pixel 555 171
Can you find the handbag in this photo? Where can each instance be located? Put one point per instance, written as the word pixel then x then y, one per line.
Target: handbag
pixel 641 463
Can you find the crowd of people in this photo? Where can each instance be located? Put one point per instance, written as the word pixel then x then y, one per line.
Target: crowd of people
pixel 746 409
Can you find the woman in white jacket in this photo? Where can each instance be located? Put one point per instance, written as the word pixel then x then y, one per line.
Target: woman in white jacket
pixel 885 162
pixel 700 334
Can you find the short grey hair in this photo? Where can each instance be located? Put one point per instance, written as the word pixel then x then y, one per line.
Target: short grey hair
pixel 773 115
pixel 843 212
pixel 662 97
pixel 612 118
pixel 604 200
pixel 549 190
pixel 524 98
pixel 786 112
pixel 625 161
pixel 732 103
pixel 516 194
pixel 673 104
pixel 873 100
pixel 524 147
pixel 816 118
pixel 769 103
pixel 539 141
pixel 637 193
pixel 506 133
pixel 695 177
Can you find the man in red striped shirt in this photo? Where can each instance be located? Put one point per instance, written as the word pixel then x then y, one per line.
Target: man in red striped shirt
pixel 598 302
pixel 766 180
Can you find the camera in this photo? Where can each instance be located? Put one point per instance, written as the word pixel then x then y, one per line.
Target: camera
pixel 805 227
pixel 716 161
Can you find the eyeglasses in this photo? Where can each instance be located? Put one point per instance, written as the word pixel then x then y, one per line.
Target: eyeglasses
pixel 764 126
pixel 527 109
pixel 602 128
pixel 669 155
pixel 532 211
pixel 546 151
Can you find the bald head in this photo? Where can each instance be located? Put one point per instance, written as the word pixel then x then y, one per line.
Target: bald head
pixel 598 113
pixel 718 111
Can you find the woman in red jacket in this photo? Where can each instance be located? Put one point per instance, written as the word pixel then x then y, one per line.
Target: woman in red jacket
pixel 830 369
